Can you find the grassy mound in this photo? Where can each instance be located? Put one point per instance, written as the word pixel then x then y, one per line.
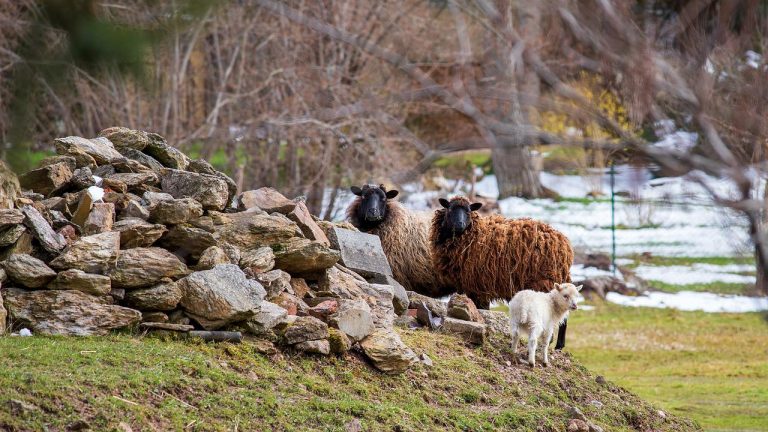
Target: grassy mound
pixel 127 383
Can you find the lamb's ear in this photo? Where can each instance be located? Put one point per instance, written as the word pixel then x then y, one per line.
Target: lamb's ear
pixel 475 206
pixel 578 288
pixel 356 190
pixel 557 286
pixel 444 202
pixel 391 194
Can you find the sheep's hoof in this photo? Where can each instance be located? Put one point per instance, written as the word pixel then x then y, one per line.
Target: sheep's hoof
pixel 545 364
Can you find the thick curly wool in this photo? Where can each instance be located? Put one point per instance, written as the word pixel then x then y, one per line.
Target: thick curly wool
pixel 495 257
pixel 404 237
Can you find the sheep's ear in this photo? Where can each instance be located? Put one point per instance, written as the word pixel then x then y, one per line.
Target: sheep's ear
pixel 356 190
pixel 578 288
pixel 475 206
pixel 557 286
pixel 444 202
pixel 391 194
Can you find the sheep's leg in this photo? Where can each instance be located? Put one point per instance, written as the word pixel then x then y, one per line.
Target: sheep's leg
pixel 533 341
pixel 515 341
pixel 561 335
pixel 547 341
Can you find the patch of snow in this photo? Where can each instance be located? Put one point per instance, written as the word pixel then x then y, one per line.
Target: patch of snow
pixel 679 141
pixel 753 59
pixel 579 272
pixel 692 301
pixel 96 193
pixel 695 274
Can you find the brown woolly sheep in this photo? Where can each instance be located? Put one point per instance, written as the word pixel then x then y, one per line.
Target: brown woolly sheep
pixel 490 258
pixel 404 237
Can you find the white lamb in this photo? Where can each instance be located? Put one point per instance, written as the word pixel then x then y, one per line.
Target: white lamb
pixel 537 314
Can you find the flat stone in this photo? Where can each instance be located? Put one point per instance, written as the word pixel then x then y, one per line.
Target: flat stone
pixel 266 199
pixel 300 287
pixel 163 297
pixel 360 252
pixel 79 280
pixel 304 257
pixel 324 309
pixel 122 137
pixel 438 308
pixel 387 352
pixel 49 239
pixel 173 212
pixel 82 178
pixel 257 260
pixel 353 318
pixel 314 347
pixel 304 329
pixel 135 232
pixel 250 231
pixel 92 254
pixel 167 326
pixel 462 307
pixel 471 332
pixel 220 296
pixel 22 246
pixel 154 316
pixel 187 241
pixel 52 160
pixel 28 271
pixel 67 313
pixel 47 179
pixel 136 180
pixel 307 224
pixel 210 191
pixel 133 209
pixel 337 283
pixel 268 316
pixel 100 149
pixel 169 156
pixel 100 219
pixel 141 267
pixel 10 217
pixel 212 257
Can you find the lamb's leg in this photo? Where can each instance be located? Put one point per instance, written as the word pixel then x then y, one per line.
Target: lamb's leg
pixel 533 340
pixel 561 335
pixel 515 341
pixel 547 341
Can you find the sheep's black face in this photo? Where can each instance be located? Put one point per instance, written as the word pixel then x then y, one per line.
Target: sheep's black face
pixel 458 217
pixel 373 206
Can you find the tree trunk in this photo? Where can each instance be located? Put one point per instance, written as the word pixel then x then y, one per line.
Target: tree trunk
pixel 513 164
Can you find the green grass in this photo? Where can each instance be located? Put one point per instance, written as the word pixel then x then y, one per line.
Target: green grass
pixel 686 261
pixel 711 367
pixel 479 158
pixel 149 383
pixel 713 287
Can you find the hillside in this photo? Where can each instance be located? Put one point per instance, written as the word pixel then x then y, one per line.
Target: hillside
pixel 124 383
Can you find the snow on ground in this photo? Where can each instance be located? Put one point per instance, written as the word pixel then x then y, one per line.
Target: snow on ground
pixel 693 301
pixel 696 274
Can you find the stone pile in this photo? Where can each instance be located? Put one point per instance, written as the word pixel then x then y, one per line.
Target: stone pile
pixel 125 231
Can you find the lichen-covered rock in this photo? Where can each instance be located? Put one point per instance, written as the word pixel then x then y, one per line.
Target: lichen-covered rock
pixel 28 271
pixel 266 199
pixel 135 232
pixel 123 137
pixel 163 297
pixel 9 186
pixel 435 306
pixel 379 297
pixel 47 179
pixel 304 257
pixel 141 267
pixel 268 316
pixel 100 219
pixel 136 181
pixel 275 282
pixel 250 231
pixel 69 313
pixel 3 314
pixel 336 283
pixel 187 241
pixel 388 352
pixel 201 166
pixel 257 260
pixel 220 296
pixel 100 149
pixel 10 217
pixel 134 209
pixel 176 211
pixel 497 322
pixel 167 155
pixel 360 252
pixel 210 191
pixel 10 234
pixel 303 218
pixel 144 159
pixel 211 257
pixel 304 329
pixel 49 239
pixel 92 254
pixel 79 280
pixel 338 341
